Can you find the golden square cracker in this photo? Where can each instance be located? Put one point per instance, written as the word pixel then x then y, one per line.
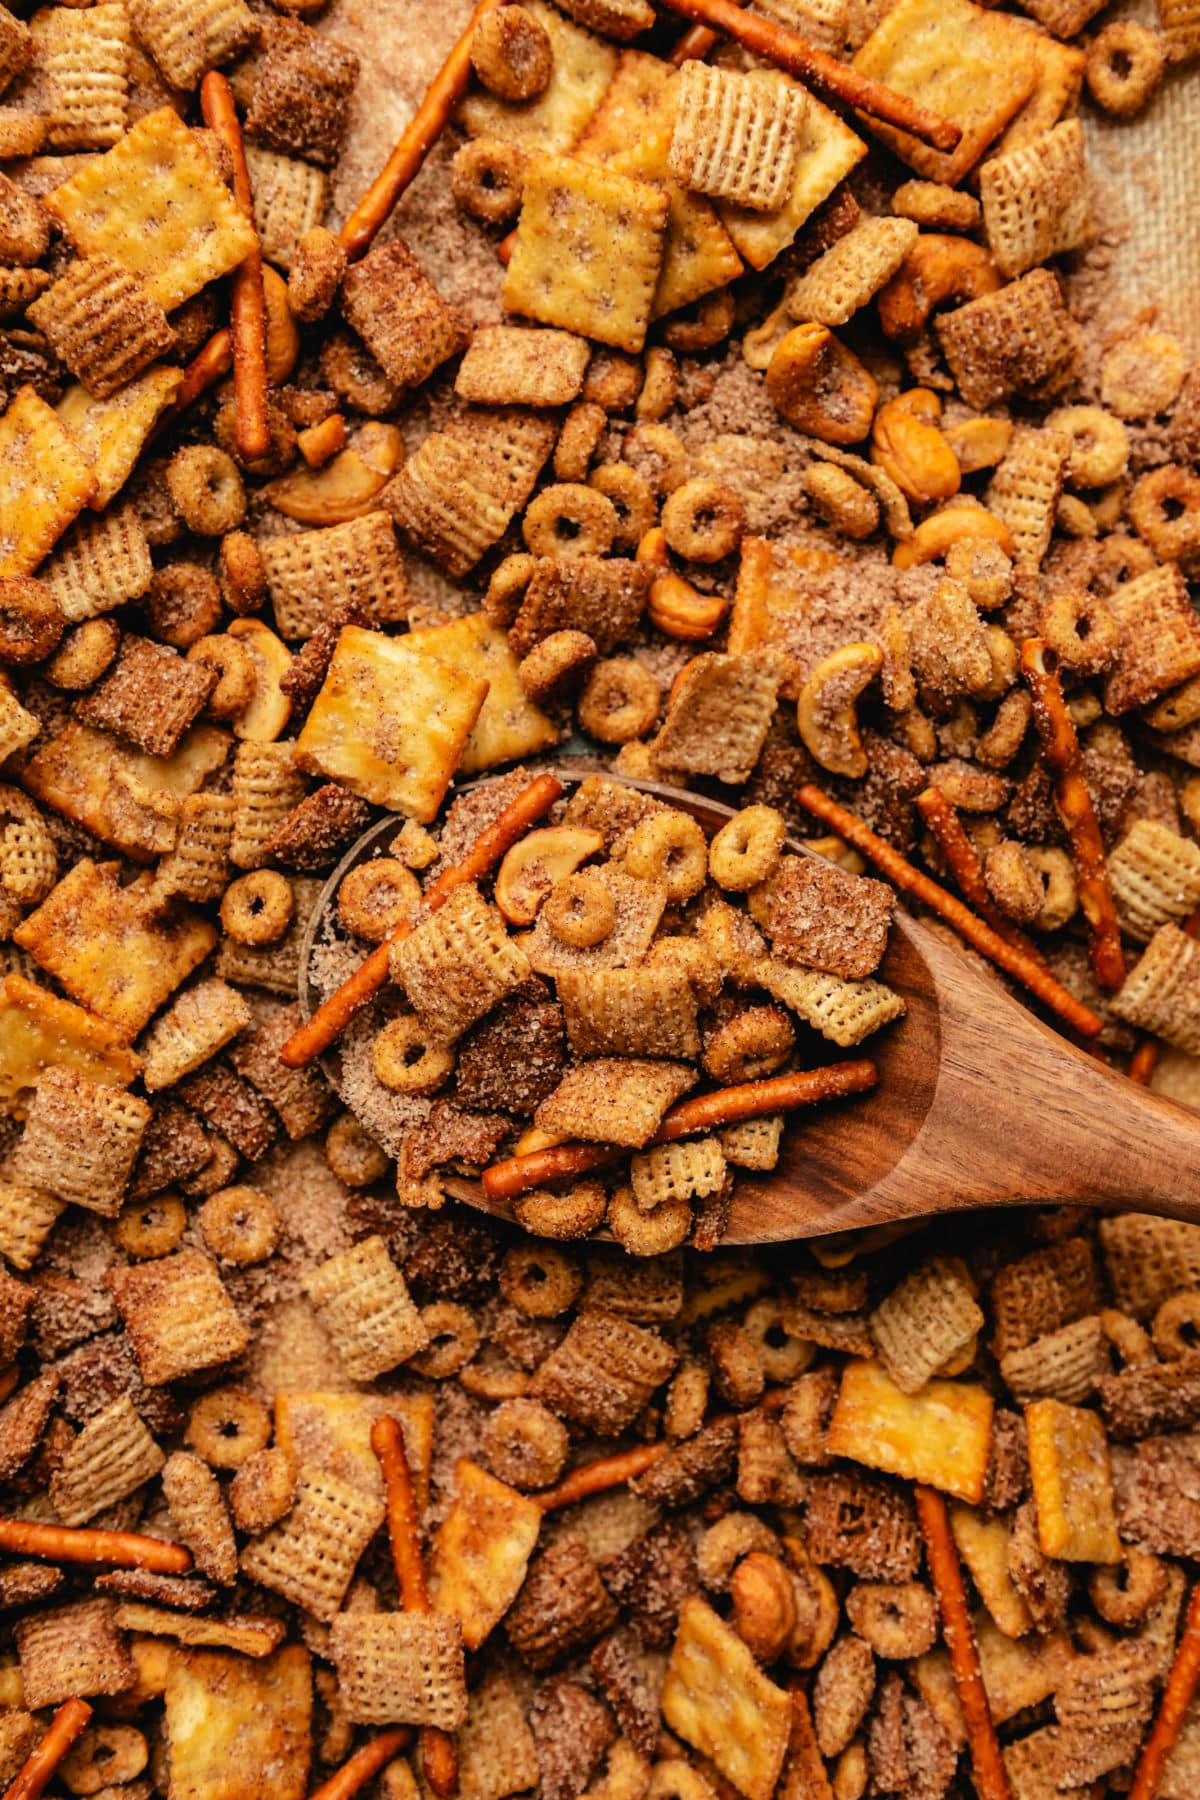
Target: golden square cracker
pixel 398 312
pixel 1154 874
pixel 638 908
pixel 509 725
pixel 83 70
pixel 828 150
pixel 119 794
pixel 38 1029
pixel 1009 341
pixel 506 365
pixel 331 1432
pixel 1161 993
pixel 1025 489
pixel 155 203
pixel 389 723
pixel 229 1719
pixel 363 1303
pixel 629 1012
pixel 588 251
pixel 1055 94
pixel 736 136
pixel 81 1140
pixel 698 252
pixel 1160 638
pixel 72 1652
pixel 400 1668
pixel 716 1698
pixel 851 271
pixel 179 1315
pixel 110 946
pixel 311 1555
pixel 1035 199
pixel 111 1457
pixel 458 963
pixel 188 37
pixel 481 1551
pixel 313 574
pixel 973 67
pixel 289 196
pixel 1069 1467
pixel 247 1635
pixel 44 481
pixel 615 1100
pixel 718 714
pixel 940 1436
pixel 110 434
pixel 638 103
pixel 924 1321
pixel 99 564
pixel 583 67
pixel 101 322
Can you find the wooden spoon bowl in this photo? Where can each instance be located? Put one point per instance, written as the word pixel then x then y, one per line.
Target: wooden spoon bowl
pixel 978 1104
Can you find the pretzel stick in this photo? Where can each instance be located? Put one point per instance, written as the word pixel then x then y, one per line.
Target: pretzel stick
pixel 364 1764
pixel 1060 746
pixel 439 1758
pixel 991 1780
pixel 979 935
pixel 333 1015
pixel 209 365
pixel 967 870
pixel 41 1763
pixel 597 1477
pixel 1182 1683
pixel 695 44
pixel 248 309
pixel 706 1112
pixel 836 80
pixel 63 1543
pixel 416 141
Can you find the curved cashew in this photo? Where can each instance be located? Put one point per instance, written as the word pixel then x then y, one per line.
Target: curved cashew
pixel 907 444
pixel 826 712
pixel 817 1607
pixel 283 338
pixel 821 387
pixel 764 1605
pixel 674 605
pixel 536 863
pixel 979 443
pixel 346 487
pixel 934 535
pixel 939 267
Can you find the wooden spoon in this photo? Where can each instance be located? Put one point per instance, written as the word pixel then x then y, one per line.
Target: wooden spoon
pixel 979 1103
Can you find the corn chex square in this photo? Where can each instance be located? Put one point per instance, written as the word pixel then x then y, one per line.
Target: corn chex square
pixel 313 574
pixel 111 1457
pixel 311 1555
pixel 719 713
pixel 736 136
pixel 458 963
pixel 186 38
pixel 81 1140
pixel 456 495
pixel 364 1305
pixel 506 365
pixel 603 1372
pixel 149 697
pixel 100 321
pixel 400 1668
pixel 99 564
pixel 179 1315
pixel 229 1719
pixel 45 479
pixel 289 196
pixel 74 1651
pixel 615 1100
pixel 1008 341
pixel 397 311
pixel 1035 199
pixel 496 1752
pixel 1160 638
pixel 83 71
pixel 588 251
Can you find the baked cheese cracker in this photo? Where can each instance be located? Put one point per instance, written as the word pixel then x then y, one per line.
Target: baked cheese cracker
pixel 38 1029
pixel 716 1698
pixel 230 1719
pixel 698 253
pixel 1069 1467
pixel 940 1436
pixel 638 102
pixel 509 725
pixel 119 794
pixel 332 1432
pixel 155 204
pixel 583 67
pixel 109 434
pixel 45 477
pixel 481 1551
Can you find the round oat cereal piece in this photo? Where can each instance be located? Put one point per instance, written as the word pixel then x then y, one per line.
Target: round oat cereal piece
pixel 703 520
pixel 407 1060
pixel 376 896
pixel 184 604
pixel 747 848
pixel 580 910
pixel 632 499
pixel 620 701
pixel 257 908
pixel 226 1426
pixel 486 178
pixel 555 665
pixel 353 1156
pixel 783 1355
pixel 648 1233
pixel 540 1280
pixel 1125 63
pixel 84 654
pixel 512 54
pixel 453 1340
pixel 575 1214
pixel 207 490
pixel 658 455
pixel 150 1228
pixel 669 846
pixel 525 1445
pixel 1164 509
pixel 240 1225
pixel 568 519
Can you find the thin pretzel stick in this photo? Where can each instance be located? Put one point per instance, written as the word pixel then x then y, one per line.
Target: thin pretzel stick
pixel 1144 1060
pixel 706 1112
pixel 979 935
pixel 967 870
pixel 695 44
pixel 597 1477
pixel 41 1763
pixel 439 1758
pixel 1182 1683
pixel 1060 747
pixel 333 1015
pixel 63 1543
pixel 836 80
pixel 991 1780
pixel 209 365
pixel 248 310
pixel 417 140
pixel 364 1764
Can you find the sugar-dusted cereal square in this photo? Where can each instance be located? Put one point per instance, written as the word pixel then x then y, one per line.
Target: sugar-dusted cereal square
pixel 497 1756
pixel 602 596
pixel 1035 199
pixel 100 321
pixel 1024 491
pixel 1154 874
pixel 923 1322
pixel 186 38
pixel 150 697
pixel 506 365
pixel 629 1012
pixel 311 1555
pixel 457 493
pixel 230 1718
pixel 481 1551
pixel 1160 638
pixel 73 1652
pixel 603 1372
pixel 83 74
pixel 939 1436
pixel 1072 1486
pixel 736 136
pixel 1036 1294
pixel 364 1305
pixel 718 714
pixel 822 917
pixel 1161 993
pixel 111 1457
pixel 509 725
pixel 179 1315
pixel 1180 23
pixel 290 197
pixel 582 68
pixel 200 1023
pixel 155 203
pixel 1067 1364
pixel 615 1100
pixel 863 1523
pixel 828 151
pixel 393 305
pixel 458 963
pixel 302 87
pixel 588 251
pixel 400 1668
pixel 81 1140
pixel 27 1217
pixel 313 575
pixel 302 1097
pixel 389 723
pixel 45 478
pixel 1148 1259
pixel 717 1699
pixel 562 1606
pixel 1008 341
pixel 852 271
pixel 101 562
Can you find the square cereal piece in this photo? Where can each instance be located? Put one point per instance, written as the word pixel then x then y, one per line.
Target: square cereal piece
pixel 736 136
pixel 81 1140
pixel 303 80
pixel 403 320
pixel 72 1652
pixel 1154 874
pixel 229 1719
pixel 112 947
pixel 845 1012
pixel 1103 1703
pixel 1068 1364
pixel 266 787
pixel 400 1668
pixel 38 1029
pixel 828 151
pixel 174 1150
pixel 514 1057
pixel 1160 638
pixel 603 1372
pixel 389 723
pixel 563 1605
pixel 1035 199
pixel 939 1436
pixel 852 271
pixel 179 1315
pixel 290 197
pixel 1180 24
pixel 83 74
pixel 99 564
pixel 571 1729
pixel 821 917
pixel 314 575
pixel 302 1097
pixel 615 1099
pixel 16 47
pixel 583 67
pixel 313 836
pixel 481 1551
pixel 458 963
pixel 456 495
pixel 506 365
pixel 497 1756
pixel 150 697
pixel 27 1217
pixel 110 434
pixel 1024 491
pixel 110 1458
pixel 155 203
pixel 691 1170
pixel 973 67
pixel 1009 341
pixel 311 1555
pixel 604 596
pixel 1062 17
pixel 629 1012
pixel 1147 1259
pixel 1160 1397
pixel 718 714
pixel 364 1305
pixel 201 1022
pixel 45 478
pixel 1069 1468
pixel 231 1106
pixel 863 1523
pixel 186 38
pixel 1161 993
pixel 588 251
pixel 646 1290
pixel 100 321
pixel 928 1318
pixel 1037 1294
pixel 1160 1497
pixel 509 725
pixel 717 1699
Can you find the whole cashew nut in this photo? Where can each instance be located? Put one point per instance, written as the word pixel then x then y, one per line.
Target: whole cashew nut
pixel 826 712
pixel 821 387
pixel 907 444
pixel 939 267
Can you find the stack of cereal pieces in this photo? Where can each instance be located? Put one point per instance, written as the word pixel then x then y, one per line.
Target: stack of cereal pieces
pixel 758 453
